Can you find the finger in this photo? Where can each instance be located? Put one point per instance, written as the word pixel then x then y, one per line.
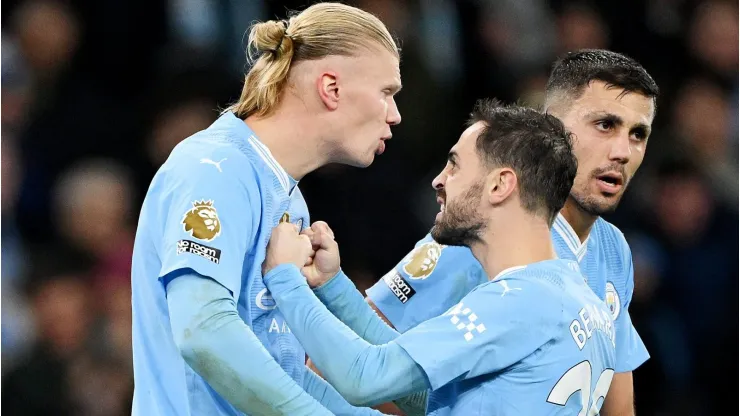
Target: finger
pixel 321 226
pixel 287 227
pixel 311 235
pixel 324 241
pixel 305 244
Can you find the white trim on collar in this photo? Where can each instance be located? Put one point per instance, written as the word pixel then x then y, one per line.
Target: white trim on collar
pixel 570 237
pixel 267 157
pixel 507 271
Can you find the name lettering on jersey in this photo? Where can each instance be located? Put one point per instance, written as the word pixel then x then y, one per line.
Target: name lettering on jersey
pixel 209 253
pixel 464 319
pixel 265 301
pixel 399 286
pixel 276 327
pixel 591 319
pixel 611 297
pixel 212 162
pixel 202 221
pixel 421 262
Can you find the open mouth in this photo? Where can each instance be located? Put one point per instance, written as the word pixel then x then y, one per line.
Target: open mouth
pixel 610 182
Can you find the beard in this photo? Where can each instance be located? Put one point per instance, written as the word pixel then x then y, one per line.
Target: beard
pixel 596 204
pixel 460 224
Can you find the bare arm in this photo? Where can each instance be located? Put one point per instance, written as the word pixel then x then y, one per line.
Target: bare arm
pixel 619 400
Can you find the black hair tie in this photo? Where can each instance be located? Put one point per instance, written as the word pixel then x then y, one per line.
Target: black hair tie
pixel 285 30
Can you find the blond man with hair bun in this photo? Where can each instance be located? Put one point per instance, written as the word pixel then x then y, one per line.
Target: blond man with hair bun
pixel 208 338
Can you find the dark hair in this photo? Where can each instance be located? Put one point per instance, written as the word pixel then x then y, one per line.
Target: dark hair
pixel 572 72
pixel 535 145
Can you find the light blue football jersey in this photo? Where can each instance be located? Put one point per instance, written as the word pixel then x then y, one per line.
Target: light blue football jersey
pixel 533 341
pixel 210 208
pixel 432 278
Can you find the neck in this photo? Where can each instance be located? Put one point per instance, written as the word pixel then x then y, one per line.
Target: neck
pixel 516 242
pixel 292 139
pixel 580 220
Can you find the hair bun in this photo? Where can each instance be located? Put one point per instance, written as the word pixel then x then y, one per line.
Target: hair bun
pixel 268 36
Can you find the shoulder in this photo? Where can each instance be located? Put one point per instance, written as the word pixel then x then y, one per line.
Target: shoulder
pixel 429 256
pixel 534 293
pixel 205 158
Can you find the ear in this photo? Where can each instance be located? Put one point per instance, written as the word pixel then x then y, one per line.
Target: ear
pixel 328 88
pixel 502 183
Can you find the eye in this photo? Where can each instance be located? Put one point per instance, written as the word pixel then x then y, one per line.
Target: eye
pixel 604 125
pixel 639 135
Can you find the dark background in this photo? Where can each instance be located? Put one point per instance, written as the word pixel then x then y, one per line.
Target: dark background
pixel 96 93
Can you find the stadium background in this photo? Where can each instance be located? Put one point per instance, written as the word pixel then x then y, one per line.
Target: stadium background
pixel 95 94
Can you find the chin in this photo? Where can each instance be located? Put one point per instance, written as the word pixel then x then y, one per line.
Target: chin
pixel 364 163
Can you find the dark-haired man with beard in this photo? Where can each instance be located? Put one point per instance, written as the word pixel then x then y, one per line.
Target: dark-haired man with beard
pixel 608 101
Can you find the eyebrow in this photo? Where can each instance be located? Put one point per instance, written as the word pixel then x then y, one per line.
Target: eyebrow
pixel 452 157
pixel 618 121
pixel 394 88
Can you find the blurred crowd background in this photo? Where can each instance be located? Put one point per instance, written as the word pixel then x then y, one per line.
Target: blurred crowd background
pixel 96 93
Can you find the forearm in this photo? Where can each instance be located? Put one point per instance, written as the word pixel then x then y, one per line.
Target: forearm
pixel 619 401
pixel 363 373
pixel 222 349
pixel 340 296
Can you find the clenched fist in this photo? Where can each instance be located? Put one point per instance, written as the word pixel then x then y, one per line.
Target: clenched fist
pixel 286 246
pixel 324 263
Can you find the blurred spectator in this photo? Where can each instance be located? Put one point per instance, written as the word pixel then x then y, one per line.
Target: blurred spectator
pixel 713 36
pixel 701 119
pixel 93 206
pixel 17 327
pixel 41 384
pixel 581 27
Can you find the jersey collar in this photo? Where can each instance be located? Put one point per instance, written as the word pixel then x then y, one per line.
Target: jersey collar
pixel 285 180
pixel 570 237
pixel 507 271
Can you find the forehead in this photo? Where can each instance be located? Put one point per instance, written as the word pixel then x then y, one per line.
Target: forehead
pixel 465 146
pixel 633 107
pixel 378 63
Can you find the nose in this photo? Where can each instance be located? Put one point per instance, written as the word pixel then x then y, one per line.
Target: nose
pixel 394 116
pixel 621 150
pixel 438 183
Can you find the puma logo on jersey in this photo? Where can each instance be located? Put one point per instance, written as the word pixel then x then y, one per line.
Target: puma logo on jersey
pixel 211 162
pixel 507 289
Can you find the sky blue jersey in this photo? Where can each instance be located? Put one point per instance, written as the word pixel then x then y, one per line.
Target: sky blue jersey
pixel 210 208
pixel 533 341
pixel 432 278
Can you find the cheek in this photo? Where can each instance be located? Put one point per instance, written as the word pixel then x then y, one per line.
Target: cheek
pixel 638 154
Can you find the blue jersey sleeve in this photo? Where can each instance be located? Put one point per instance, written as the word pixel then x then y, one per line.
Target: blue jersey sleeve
pixel 364 374
pixel 495 326
pixel 209 217
pixel 427 282
pixel 631 351
pixel 340 296
pixel 219 346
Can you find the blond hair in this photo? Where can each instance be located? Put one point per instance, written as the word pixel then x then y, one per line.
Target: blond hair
pixel 321 30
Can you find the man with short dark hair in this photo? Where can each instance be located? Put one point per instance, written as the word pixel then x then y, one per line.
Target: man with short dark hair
pixel 534 329
pixel 608 101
